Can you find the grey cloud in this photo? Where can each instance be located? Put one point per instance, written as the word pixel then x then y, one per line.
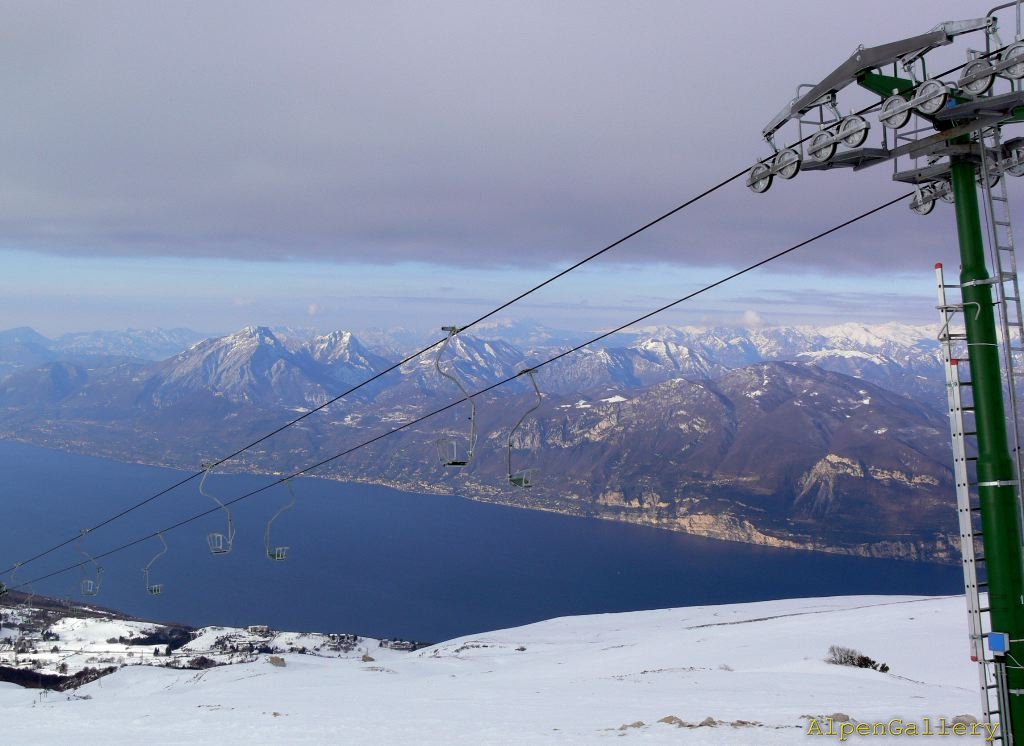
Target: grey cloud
pixel 479 133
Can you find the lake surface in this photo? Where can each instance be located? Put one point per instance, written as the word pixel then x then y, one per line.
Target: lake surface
pixel 384 563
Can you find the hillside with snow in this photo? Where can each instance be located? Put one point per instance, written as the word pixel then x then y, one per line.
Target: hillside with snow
pixel 736 674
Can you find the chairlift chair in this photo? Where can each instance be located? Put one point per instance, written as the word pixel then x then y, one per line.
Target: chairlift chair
pixel 22 605
pixel 217 542
pixel 89 586
pixel 27 598
pixel 155 589
pixel 447 448
pixel 524 478
pixel 448 452
pixel 278 554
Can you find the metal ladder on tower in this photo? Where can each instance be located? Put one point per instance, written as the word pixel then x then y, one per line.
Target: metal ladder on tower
pixel 953 339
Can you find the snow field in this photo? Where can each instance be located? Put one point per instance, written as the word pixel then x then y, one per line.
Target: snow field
pixel 756 670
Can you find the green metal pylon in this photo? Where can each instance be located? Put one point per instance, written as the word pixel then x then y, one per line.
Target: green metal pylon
pixel 997 490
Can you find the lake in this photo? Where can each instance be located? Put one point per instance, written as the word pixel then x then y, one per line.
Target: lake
pixel 383 563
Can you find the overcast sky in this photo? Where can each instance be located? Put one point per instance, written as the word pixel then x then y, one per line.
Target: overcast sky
pixel 352 164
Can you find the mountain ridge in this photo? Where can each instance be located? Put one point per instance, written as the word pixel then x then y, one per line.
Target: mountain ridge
pixel 680 431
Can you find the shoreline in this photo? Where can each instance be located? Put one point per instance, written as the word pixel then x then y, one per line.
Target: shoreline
pixel 722 527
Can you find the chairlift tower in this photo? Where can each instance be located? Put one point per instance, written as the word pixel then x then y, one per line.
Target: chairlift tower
pixel 945 137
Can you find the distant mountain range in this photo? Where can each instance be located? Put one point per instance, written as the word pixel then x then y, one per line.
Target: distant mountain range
pixel 831 438
pixel 25 348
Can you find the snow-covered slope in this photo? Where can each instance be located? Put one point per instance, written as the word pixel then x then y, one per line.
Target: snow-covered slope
pixel 738 674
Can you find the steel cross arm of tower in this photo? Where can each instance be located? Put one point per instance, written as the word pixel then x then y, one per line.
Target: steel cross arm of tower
pixel 1010 155
pixel 871 58
pixel 980 114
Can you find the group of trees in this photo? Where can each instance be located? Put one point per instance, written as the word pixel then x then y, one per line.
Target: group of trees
pixel 842 656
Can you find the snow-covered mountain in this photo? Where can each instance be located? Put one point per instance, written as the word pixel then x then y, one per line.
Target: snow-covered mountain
pixel 250 366
pixel 476 361
pixel 23 347
pixel 739 674
pixel 347 360
pixel 144 344
pixel 781 341
pixel 704 431
pixel 254 366
pixel 901 357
